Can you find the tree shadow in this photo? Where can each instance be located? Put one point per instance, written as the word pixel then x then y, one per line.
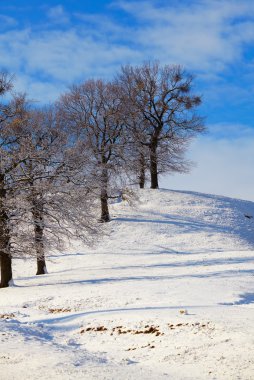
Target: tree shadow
pixel 111 280
pixel 190 263
pixel 245 299
pixel 35 332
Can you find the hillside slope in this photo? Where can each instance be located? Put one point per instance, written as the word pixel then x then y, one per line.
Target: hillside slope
pixel 168 293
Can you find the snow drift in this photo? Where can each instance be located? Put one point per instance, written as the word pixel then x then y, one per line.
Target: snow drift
pixel 167 294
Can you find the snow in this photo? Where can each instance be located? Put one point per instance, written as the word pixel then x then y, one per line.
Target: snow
pixel 168 293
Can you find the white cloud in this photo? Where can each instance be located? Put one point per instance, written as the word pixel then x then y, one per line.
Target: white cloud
pixel 7 21
pixel 208 36
pixel 101 24
pixel 63 57
pixel 58 15
pixel 204 35
pixel 222 167
pixel 230 131
pixel 39 92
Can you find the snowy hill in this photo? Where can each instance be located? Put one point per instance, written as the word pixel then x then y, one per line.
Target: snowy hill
pixel 168 293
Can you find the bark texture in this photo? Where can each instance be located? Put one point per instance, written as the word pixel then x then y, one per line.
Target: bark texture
pixel 37 212
pixel 154 165
pixel 6 269
pixel 5 257
pixel 142 175
pixel 104 197
pixel 41 266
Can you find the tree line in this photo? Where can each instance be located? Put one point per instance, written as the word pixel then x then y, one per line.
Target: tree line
pixel 58 162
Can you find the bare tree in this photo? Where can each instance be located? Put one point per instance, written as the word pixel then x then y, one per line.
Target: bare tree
pixel 36 174
pixel 93 111
pixel 136 151
pixel 162 100
pixel 12 112
pixel 43 191
pixel 171 156
pixel 55 198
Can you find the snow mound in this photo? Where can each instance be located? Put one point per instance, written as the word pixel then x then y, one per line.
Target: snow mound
pixel 184 222
pixel 166 294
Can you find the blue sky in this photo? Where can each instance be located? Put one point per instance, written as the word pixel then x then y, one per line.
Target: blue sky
pixel 50 45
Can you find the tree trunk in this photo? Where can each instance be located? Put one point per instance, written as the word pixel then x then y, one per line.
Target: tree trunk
pixel 41 266
pixel 153 165
pixel 6 269
pixel 104 196
pixel 37 212
pixel 142 174
pixel 5 256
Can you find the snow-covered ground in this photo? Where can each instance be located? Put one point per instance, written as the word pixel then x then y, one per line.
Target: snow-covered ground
pixel 168 293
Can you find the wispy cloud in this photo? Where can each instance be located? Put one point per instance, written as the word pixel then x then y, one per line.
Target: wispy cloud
pixel 230 132
pixel 207 37
pixel 58 15
pixel 7 21
pixel 203 35
pixel 212 38
pixel 60 57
